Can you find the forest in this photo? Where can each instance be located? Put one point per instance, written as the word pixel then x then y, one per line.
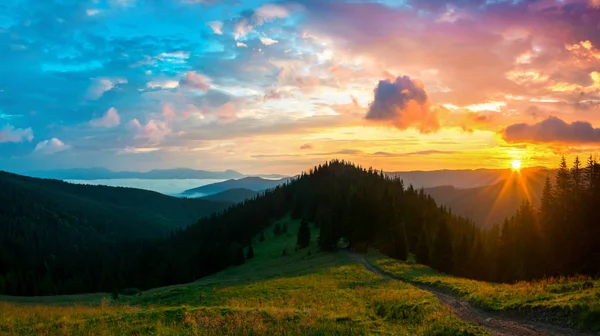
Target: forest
pixel 342 200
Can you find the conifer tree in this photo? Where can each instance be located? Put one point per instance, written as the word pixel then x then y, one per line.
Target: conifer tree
pixel 442 254
pixel 250 253
pixel 277 230
pixel 303 235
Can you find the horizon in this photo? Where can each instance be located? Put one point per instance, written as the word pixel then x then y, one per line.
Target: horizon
pixel 25 172
pixel 279 86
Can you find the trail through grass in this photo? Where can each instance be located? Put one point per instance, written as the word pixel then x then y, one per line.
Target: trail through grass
pixel 571 302
pixel 272 294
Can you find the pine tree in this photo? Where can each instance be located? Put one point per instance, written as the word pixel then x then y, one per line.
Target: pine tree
pixel 262 236
pixel 303 235
pixel 577 176
pixel 422 249
pixel 277 230
pixel 442 254
pixel 250 253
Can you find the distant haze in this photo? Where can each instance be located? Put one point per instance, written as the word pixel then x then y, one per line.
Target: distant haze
pixel 171 187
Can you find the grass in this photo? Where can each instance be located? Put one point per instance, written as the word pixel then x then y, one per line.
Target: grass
pixel 566 297
pixel 296 294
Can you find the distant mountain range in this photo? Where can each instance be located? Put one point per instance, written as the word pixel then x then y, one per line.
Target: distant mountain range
pixel 497 193
pixel 491 204
pixel 157 174
pixel 248 183
pixel 459 178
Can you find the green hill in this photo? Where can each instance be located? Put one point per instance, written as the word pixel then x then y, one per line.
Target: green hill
pixel 300 293
pixel 304 292
pixel 50 228
pixel 232 195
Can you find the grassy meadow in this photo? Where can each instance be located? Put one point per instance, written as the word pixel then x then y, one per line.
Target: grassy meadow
pixel 574 300
pixel 300 293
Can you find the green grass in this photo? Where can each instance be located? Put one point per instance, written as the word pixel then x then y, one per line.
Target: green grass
pixel 555 296
pixel 297 294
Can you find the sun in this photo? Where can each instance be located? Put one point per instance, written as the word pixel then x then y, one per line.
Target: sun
pixel 516 165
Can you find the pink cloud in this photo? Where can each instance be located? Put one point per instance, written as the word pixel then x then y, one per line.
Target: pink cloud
pixel 227 113
pixel 196 81
pixel 110 119
pixel 51 146
pixel 154 131
pixel 168 111
pixel 11 134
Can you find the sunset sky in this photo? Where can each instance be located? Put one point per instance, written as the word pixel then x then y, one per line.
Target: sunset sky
pixel 275 87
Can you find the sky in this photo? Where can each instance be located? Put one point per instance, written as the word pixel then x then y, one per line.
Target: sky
pixel 277 87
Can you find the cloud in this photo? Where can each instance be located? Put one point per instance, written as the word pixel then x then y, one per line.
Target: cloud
pixel 168 111
pixel 11 134
pixel 216 26
pixel 262 15
pixel 92 11
pixel 268 41
pixel 403 103
pixel 110 119
pixel 241 45
pixel 306 146
pixel 51 146
pixel 227 113
pixel 154 131
pixel 552 130
pixel 163 85
pixel 268 13
pixel 195 81
pixel 102 85
pixel 424 152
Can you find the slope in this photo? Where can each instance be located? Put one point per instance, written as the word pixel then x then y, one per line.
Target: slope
pixel 301 293
pixel 492 204
pixel 51 230
pixel 251 183
pixel 232 195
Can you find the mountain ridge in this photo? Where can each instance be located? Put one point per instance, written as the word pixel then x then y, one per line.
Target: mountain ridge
pixel 101 173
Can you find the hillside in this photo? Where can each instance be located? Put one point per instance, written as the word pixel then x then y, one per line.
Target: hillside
pixel 306 292
pixel 49 227
pixel 301 293
pixel 232 195
pixel 489 205
pixel 251 183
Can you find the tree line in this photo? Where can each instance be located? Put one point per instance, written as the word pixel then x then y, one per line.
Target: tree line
pixel 360 205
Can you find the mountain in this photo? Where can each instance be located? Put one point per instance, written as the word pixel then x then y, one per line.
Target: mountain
pixel 458 178
pixel 251 183
pixel 489 205
pixel 105 174
pixel 51 228
pixel 232 195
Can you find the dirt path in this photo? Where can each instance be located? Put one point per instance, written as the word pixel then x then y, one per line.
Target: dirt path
pixel 492 322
